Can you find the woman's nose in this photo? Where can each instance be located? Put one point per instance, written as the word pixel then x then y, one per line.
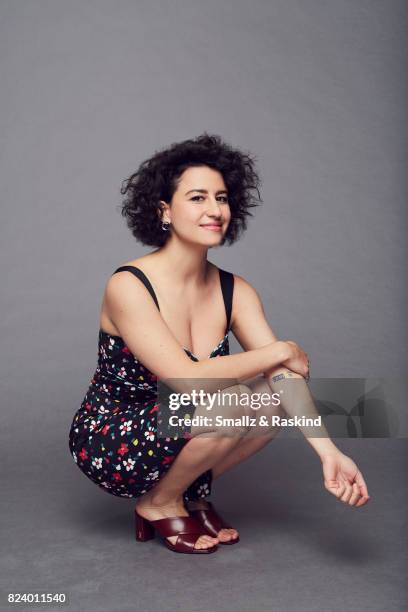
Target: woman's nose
pixel 214 208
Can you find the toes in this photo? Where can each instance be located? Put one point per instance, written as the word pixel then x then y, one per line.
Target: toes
pixel 210 541
pixel 228 534
pixel 205 542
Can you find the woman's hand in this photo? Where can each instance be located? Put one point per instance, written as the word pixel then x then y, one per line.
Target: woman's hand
pixel 298 361
pixel 343 479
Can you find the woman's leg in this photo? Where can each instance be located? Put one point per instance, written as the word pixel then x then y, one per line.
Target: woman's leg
pixel 250 445
pixel 205 449
pixel 251 442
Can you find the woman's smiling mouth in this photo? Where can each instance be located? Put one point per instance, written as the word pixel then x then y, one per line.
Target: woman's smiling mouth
pixel 214 227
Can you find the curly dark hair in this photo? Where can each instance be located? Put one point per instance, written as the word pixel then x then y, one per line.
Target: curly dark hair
pixel 157 179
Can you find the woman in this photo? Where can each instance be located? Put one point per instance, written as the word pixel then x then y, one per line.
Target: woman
pixel 161 316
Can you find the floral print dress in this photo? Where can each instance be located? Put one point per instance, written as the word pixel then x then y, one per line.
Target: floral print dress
pixel 113 436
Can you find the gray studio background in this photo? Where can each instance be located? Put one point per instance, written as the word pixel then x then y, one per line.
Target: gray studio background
pixel 317 90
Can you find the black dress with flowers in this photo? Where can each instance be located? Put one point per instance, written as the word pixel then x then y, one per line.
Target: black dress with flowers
pixel 113 436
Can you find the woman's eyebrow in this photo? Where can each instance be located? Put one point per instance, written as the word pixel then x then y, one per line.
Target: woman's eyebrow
pixel 205 191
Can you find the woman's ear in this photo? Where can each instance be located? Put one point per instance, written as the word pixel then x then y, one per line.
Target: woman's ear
pixel 162 212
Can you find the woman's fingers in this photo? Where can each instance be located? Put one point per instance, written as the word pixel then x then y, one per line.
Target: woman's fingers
pixel 335 485
pixel 361 484
pixel 362 488
pixel 355 494
pixel 362 501
pixel 356 498
pixel 337 489
pixel 350 489
pixel 347 493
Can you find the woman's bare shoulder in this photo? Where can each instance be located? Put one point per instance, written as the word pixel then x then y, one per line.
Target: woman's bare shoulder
pixel 138 262
pixel 115 286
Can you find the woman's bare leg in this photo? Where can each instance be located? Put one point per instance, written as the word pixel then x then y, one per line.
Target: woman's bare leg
pixel 246 448
pixel 249 445
pixel 200 454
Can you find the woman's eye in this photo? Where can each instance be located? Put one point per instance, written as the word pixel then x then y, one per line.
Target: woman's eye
pixel 224 198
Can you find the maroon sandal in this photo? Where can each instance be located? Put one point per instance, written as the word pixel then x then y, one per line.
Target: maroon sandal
pixel 212 522
pixel 187 528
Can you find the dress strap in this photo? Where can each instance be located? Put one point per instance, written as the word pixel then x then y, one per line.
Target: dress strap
pixel 227 287
pixel 142 276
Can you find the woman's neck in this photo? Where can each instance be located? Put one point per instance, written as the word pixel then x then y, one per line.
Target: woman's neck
pixel 185 264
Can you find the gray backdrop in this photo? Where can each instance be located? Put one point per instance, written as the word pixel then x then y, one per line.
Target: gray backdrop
pixel 317 91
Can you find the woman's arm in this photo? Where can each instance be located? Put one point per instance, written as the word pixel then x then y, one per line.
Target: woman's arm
pixel 252 330
pixel 341 476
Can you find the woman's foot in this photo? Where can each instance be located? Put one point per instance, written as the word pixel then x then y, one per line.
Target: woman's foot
pixel 224 535
pixel 149 509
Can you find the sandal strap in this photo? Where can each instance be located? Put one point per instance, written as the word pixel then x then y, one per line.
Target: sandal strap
pixel 178 525
pixel 210 519
pixel 186 542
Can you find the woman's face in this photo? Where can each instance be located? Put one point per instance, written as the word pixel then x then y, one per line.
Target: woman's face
pixel 199 211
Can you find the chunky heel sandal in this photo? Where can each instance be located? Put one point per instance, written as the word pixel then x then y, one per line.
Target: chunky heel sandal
pixel 143 530
pixel 187 528
pixel 212 522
